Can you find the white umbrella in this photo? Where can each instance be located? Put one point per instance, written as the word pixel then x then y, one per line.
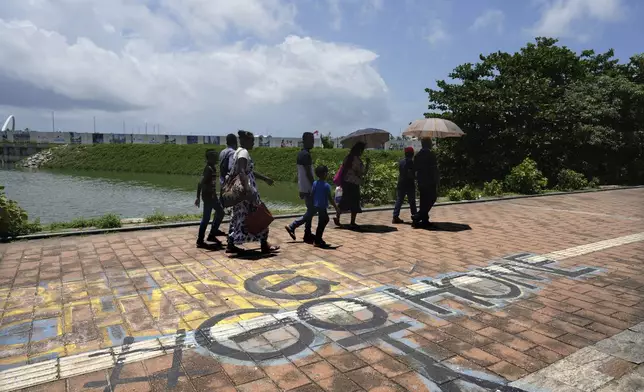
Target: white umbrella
pixel 433 128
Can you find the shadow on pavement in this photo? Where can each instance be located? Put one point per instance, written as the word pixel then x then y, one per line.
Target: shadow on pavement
pixel 447 226
pixel 369 228
pixel 252 255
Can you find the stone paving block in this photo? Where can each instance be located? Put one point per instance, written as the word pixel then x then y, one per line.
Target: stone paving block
pixel 632 382
pixel 628 345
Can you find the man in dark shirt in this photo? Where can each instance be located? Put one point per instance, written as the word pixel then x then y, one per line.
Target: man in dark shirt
pixel 406 185
pixel 426 167
pixel 305 184
pixel 207 191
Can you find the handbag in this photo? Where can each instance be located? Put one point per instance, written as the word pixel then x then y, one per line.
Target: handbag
pixel 233 191
pixel 258 219
pixel 337 179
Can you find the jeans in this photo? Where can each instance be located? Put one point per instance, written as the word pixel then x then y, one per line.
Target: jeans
pixel 308 215
pixel 402 192
pixel 208 206
pixel 323 220
pixel 428 196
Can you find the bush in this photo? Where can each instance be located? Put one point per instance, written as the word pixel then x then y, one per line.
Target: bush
pixel 526 178
pixel 379 186
pixel 464 193
pixel 156 217
pixel 493 188
pixel 593 183
pixel 570 180
pixel 108 221
pixel 13 219
pixel 454 195
pixel 469 193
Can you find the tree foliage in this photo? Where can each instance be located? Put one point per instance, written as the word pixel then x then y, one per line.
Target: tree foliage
pixel 583 112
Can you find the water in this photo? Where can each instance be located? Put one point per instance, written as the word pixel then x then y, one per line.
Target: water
pixel 61 196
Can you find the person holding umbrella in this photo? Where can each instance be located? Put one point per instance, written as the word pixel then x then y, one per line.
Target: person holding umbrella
pixel 425 162
pixel 427 177
pixel 353 174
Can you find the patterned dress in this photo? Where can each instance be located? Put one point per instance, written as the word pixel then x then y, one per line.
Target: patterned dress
pixel 237 232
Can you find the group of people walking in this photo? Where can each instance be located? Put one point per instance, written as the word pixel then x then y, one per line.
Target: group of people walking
pixel 416 172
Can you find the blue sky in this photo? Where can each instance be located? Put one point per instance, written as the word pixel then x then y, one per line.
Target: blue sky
pixel 276 67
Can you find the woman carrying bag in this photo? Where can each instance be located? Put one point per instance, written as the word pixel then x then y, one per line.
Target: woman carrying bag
pixel 251 218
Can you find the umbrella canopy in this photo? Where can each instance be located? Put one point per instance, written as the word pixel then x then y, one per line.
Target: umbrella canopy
pixel 372 137
pixel 433 128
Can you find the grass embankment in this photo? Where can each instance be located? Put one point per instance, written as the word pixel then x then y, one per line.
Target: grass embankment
pixel 277 163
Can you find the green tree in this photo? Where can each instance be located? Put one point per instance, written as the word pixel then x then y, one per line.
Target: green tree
pixel 562 109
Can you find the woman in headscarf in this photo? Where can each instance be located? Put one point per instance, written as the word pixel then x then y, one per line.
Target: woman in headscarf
pixel 243 166
pixel 353 174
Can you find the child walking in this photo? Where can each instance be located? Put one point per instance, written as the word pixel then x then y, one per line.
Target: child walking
pixel 321 198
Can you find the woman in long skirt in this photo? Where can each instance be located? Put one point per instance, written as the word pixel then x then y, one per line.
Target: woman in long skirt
pixel 243 166
pixel 353 174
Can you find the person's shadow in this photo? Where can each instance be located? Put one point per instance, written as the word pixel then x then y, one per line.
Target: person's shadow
pixel 379 229
pixel 446 226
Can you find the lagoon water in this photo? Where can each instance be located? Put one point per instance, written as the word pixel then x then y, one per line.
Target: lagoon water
pixel 60 196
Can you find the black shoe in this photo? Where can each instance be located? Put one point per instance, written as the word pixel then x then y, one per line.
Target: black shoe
pixel 219 233
pixel 201 244
pixel 397 220
pixel 309 238
pixel 291 232
pixel 321 244
pixel 213 238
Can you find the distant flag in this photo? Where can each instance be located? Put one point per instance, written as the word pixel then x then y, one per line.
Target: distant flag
pixel 316 132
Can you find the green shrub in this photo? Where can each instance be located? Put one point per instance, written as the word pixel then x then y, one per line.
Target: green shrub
pixel 570 180
pixel 156 217
pixel 455 195
pixel 108 221
pixel 493 188
pixel 526 178
pixel 593 183
pixel 13 219
pixel 469 193
pixel 379 186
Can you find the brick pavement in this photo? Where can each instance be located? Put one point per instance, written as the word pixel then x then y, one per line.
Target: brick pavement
pixel 387 310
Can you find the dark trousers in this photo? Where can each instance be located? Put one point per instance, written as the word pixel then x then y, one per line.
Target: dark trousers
pixel 410 193
pixel 208 206
pixel 323 220
pixel 308 215
pixel 428 196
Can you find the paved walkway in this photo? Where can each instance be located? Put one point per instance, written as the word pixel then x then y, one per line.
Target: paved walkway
pixel 514 295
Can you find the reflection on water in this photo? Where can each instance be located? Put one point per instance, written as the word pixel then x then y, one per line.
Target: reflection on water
pixel 56 196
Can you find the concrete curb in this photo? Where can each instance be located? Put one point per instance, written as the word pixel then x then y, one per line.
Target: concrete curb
pixel 39 236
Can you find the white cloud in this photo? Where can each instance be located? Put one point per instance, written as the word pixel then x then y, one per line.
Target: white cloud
pixel 437 34
pixel 121 61
pixel 490 18
pixel 575 18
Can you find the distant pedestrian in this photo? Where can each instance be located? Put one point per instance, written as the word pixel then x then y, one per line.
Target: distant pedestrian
pixel 304 184
pixel 406 186
pixel 427 176
pixel 322 196
pixel 353 174
pixel 207 192
pixel 243 166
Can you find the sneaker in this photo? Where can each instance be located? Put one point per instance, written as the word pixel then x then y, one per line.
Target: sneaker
pixel 290 232
pixel 309 238
pixel 397 220
pixel 201 244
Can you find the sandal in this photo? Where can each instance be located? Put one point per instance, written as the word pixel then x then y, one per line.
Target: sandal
pixel 269 248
